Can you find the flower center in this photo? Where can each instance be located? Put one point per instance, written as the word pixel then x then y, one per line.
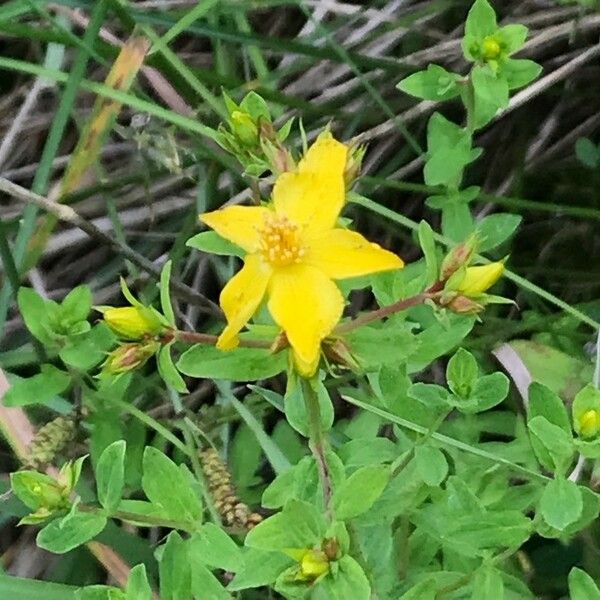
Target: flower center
pixel 280 241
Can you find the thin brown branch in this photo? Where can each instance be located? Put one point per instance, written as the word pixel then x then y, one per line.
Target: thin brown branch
pixel 67 214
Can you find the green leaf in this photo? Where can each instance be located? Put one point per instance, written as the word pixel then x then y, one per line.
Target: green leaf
pixel 359 492
pixel 213 243
pixel 206 586
pixel 364 451
pixel 561 503
pixel 34 489
pixel 165 294
pixel 438 339
pixel 298 525
pixel 138 587
pixel 169 373
pixel 77 305
pixel 85 351
pixel 388 344
pixel 431 395
pixel 166 486
pixel 487 585
pixel 34 310
pixel 348 582
pixel 260 568
pixel 39 389
pixel 175 569
pixel 512 37
pixel 295 408
pixel 241 364
pixel 582 586
pixel 62 535
pixel 555 440
pixel 543 402
pixel 100 592
pixel 110 475
pixel 431 464
pixel 462 373
pixel 490 94
pixel 481 20
pixel 17 588
pixel 457 221
pixel 427 244
pixel 433 84
pixel 449 151
pixel 489 391
pixel 213 547
pixel 496 229
pixel 520 72
pixel 424 590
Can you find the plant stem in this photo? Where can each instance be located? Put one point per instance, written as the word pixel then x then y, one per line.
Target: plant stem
pixel 317 442
pixel 383 312
pixel 194 337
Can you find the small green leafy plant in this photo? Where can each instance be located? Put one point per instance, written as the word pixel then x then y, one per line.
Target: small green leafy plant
pixel 373 457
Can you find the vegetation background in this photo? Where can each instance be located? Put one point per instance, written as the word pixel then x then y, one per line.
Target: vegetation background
pixel 326 62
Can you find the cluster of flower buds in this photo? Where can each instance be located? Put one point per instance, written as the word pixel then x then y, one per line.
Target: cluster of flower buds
pixel 250 136
pixel 139 329
pixel 464 286
pixel 45 495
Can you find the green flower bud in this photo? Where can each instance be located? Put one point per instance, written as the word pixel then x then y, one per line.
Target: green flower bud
pixel 588 424
pixel 244 127
pixel 490 48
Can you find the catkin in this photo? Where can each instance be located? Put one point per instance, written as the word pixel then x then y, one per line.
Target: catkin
pixel 233 511
pixel 50 440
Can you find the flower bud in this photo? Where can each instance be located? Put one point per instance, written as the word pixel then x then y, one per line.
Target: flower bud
pixel 459 256
pixel 462 305
pixel 490 48
pixel 244 128
pixel 339 353
pixel 313 564
pixel 132 322
pixel 588 424
pixel 478 280
pixel 128 357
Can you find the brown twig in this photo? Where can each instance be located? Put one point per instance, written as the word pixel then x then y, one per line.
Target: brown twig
pixel 67 214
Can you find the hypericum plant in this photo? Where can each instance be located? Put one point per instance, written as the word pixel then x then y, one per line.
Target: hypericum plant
pixel 413 496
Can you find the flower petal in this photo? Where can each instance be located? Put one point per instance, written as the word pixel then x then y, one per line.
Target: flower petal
pixel 238 224
pixel 307 305
pixel 341 253
pixel 314 195
pixel 241 297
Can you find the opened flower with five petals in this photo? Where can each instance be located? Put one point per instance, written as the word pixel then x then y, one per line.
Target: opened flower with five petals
pixel 295 251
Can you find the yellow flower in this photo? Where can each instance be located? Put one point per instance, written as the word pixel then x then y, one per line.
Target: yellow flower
pixel 478 280
pixel 588 424
pixel 294 254
pixel 132 322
